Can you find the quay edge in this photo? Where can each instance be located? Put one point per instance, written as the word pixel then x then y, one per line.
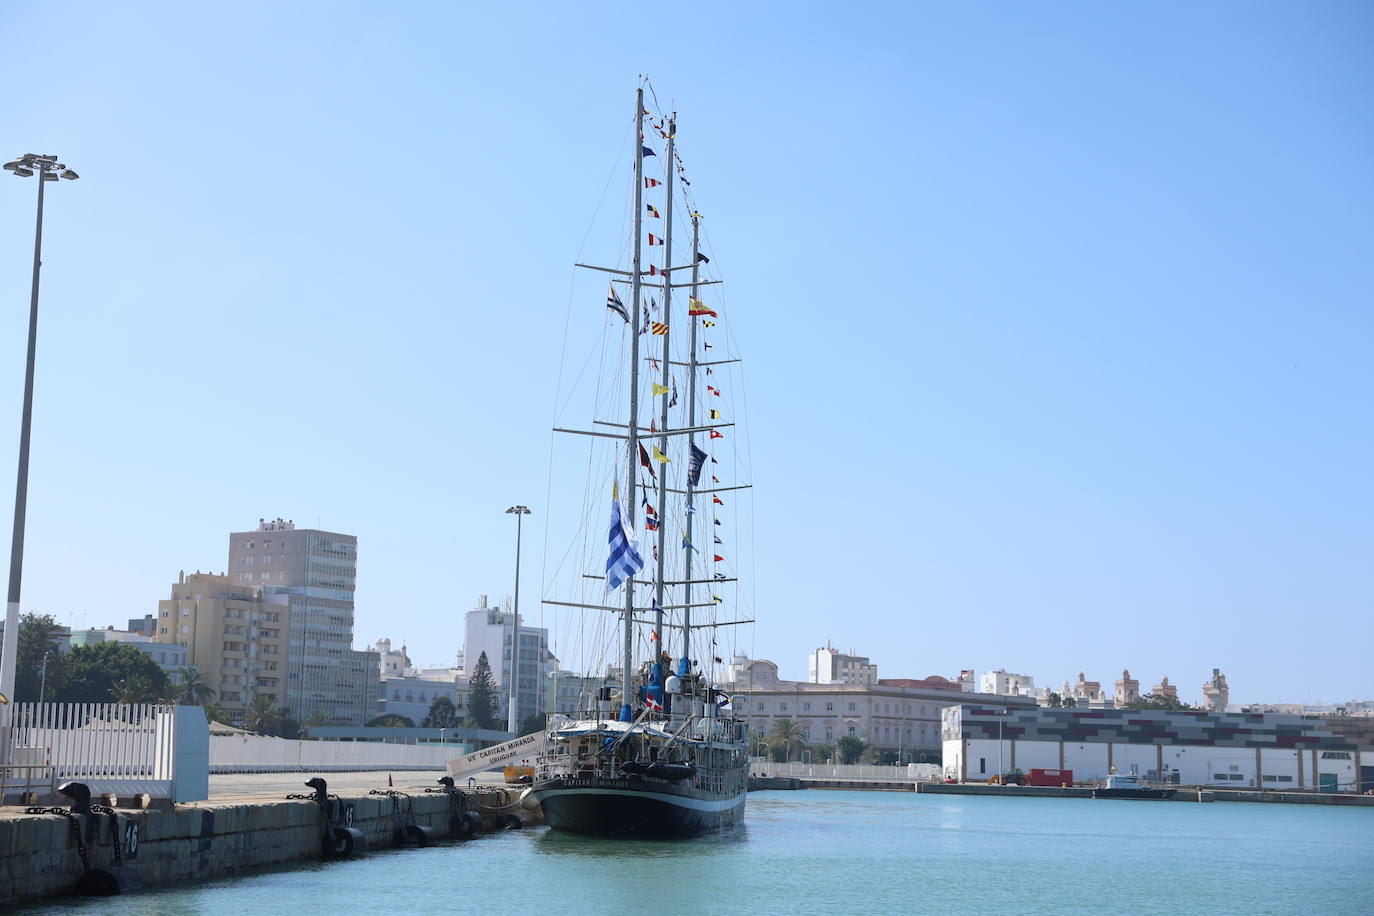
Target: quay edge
pixel 207 840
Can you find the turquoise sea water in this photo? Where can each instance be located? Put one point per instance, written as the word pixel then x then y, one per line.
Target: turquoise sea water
pixel 851 852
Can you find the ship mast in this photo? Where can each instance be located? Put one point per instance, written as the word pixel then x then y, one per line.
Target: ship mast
pixel 656 673
pixel 626 709
pixel 684 665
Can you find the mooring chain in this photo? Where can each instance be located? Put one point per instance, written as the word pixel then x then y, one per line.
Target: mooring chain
pixel 75 823
pixel 114 831
pixel 396 816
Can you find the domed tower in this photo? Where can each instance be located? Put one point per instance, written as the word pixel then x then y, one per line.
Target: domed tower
pixel 1127 689
pixel 1215 693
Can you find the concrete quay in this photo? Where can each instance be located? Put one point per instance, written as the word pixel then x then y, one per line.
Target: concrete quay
pixel 1184 793
pixel 757 783
pixel 237 831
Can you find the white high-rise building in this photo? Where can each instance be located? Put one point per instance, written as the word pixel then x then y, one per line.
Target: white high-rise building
pixel 1004 683
pixel 489 630
pixel 315 571
pixel 830 666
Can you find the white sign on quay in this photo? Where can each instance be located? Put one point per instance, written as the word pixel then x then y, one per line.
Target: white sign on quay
pixel 521 749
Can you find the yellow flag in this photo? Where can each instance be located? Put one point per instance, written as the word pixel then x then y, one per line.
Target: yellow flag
pixel 660 389
pixel 659 456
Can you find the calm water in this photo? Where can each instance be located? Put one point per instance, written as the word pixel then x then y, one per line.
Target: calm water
pixel 852 852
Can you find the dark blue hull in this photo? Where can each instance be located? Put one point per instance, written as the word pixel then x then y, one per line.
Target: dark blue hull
pixel 635 807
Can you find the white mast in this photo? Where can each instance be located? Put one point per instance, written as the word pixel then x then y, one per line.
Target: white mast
pixel 663 415
pixel 685 667
pixel 628 507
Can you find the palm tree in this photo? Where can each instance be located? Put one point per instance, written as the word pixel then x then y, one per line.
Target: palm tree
pixel 786 735
pixel 170 695
pixel 133 689
pixel 215 713
pixel 191 690
pixel 262 715
pixel 318 718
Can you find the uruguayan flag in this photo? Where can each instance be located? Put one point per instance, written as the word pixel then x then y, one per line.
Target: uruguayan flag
pixel 624 560
pixel 614 304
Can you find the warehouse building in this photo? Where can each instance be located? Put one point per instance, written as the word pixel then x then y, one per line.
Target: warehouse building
pixel 1189 747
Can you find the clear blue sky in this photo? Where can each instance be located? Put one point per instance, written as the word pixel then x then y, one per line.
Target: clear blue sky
pixel 1057 316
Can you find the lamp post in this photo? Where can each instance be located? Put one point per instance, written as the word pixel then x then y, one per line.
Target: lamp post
pixel 47 168
pixel 1001 768
pixel 512 718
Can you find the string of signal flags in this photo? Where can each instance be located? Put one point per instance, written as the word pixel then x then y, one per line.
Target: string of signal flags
pixel 696 309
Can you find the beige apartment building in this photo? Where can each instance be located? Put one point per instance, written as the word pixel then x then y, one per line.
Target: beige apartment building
pixel 235 634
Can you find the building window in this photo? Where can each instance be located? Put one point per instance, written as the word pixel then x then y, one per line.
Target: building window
pixel 163 631
pixel 982 764
pixel 806 707
pixel 829 707
pixel 851 707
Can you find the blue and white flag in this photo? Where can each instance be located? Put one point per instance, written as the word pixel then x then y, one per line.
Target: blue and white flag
pixel 624 559
pixel 614 304
pixel 697 459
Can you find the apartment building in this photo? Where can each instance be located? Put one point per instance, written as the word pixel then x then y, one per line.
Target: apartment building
pixel 234 633
pixel 314 572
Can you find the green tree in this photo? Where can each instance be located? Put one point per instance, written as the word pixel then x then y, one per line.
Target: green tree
pixel 391 720
pixel 318 719
pixel 784 737
pixel 823 753
pixel 1056 701
pixel 191 687
pixel 482 703
pixel 133 689
pixel 534 722
pixel 1157 701
pixel 90 674
pixel 1069 702
pixel 263 716
pixel 37 639
pixel 216 713
pixel 879 757
pixel 442 714
pixel 170 695
pixel 850 749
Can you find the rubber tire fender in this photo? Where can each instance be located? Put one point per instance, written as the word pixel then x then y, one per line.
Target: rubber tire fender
pixel 419 835
pixel 111 881
pixel 343 842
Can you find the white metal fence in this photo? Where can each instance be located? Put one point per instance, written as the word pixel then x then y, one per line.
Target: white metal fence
pixel 113 747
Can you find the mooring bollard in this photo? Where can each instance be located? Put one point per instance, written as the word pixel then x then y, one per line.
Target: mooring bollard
pixel 338 841
pixel 111 880
pixel 463 822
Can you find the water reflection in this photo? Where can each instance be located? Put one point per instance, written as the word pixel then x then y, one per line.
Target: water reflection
pixel 579 846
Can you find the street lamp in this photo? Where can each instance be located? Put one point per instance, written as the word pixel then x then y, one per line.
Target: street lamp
pixel 48 169
pixel 512 720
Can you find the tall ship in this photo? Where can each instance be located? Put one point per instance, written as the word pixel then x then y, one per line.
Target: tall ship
pixel 657 747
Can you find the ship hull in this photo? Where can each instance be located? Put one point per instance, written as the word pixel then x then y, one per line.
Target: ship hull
pixel 633 807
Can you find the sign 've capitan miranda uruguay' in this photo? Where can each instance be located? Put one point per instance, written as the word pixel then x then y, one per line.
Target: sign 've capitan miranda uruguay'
pixel 522 749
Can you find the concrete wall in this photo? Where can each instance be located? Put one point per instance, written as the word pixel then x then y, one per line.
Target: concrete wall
pixel 38 857
pixel 256 754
